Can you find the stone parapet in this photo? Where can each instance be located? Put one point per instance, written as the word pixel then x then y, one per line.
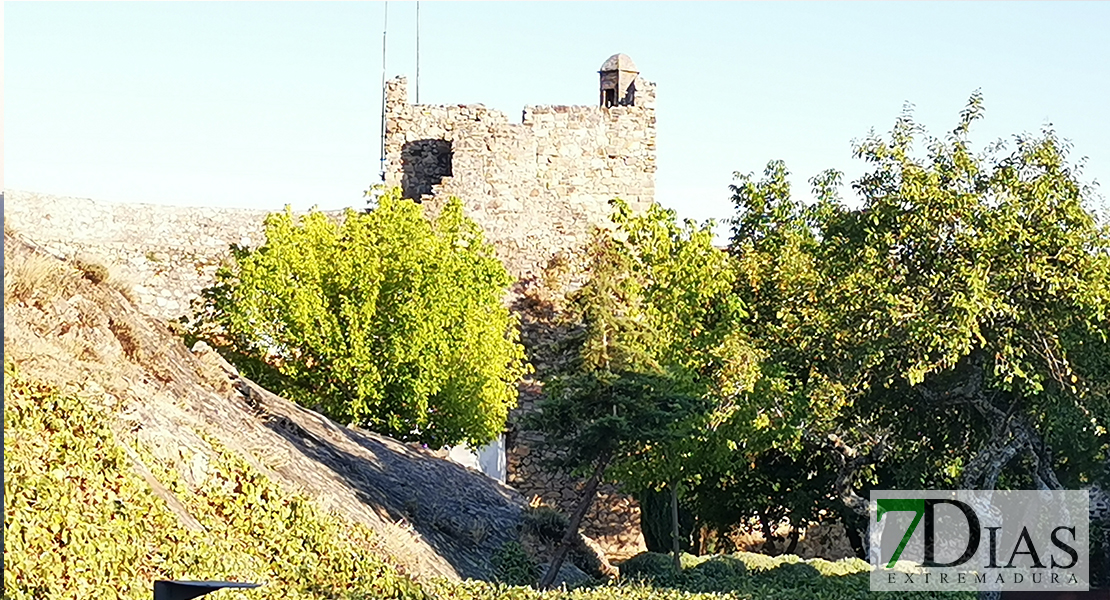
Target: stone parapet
pixel 167 254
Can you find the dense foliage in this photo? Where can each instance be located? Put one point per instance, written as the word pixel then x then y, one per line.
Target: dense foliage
pixel 724 460
pixel 513 566
pixel 80 523
pixel 949 331
pixel 611 398
pixel 388 320
pixel 771 487
pixel 683 289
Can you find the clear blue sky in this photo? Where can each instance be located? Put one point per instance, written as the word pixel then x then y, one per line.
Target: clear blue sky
pixel 256 104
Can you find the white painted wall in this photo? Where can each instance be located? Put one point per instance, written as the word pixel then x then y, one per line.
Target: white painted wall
pixel 489 459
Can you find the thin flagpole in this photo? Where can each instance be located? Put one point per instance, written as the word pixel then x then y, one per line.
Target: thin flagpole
pixel 418 52
pixel 385 27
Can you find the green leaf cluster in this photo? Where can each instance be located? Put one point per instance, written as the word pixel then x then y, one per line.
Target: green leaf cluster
pixel 513 566
pixel 635 386
pixel 619 394
pixel 958 297
pixel 678 290
pixel 386 319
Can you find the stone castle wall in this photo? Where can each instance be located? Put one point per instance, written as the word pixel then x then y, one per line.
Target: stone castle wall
pixel 167 254
pixel 536 186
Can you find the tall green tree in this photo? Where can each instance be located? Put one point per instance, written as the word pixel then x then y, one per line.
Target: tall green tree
pixel 686 293
pixel 385 319
pixel 951 329
pixel 612 398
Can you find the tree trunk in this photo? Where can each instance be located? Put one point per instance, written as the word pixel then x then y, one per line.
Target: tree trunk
pixel 849 462
pixel 856 528
pixel 674 527
pixel 575 520
pixel 703 533
pixel 768 535
pixel 793 545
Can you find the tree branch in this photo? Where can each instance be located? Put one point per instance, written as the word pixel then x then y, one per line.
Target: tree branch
pixel 849 462
pixel 1012 434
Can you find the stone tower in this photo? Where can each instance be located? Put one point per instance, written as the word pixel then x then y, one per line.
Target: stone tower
pixel 536 186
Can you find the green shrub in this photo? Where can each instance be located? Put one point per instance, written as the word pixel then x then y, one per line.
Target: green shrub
pixel 546 523
pixel 513 566
pixel 758 562
pixel 689 561
pixel 719 568
pixel 715 574
pixel 845 566
pixel 649 565
pixel 388 320
pixel 791 572
pixel 747 588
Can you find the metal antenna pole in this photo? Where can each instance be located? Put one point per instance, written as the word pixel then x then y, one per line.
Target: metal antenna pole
pixel 385 28
pixel 418 52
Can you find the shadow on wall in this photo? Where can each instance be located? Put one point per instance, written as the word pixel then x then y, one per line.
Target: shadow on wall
pixel 424 163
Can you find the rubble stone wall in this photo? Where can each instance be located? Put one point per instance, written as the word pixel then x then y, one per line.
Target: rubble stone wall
pixel 165 254
pixel 536 186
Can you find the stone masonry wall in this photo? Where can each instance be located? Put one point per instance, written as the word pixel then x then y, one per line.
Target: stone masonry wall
pixel 536 186
pixel 167 253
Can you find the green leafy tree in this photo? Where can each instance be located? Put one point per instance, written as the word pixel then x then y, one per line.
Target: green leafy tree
pixel 727 462
pixel 386 319
pixel 950 330
pixel 771 486
pixel 685 286
pixel 611 398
